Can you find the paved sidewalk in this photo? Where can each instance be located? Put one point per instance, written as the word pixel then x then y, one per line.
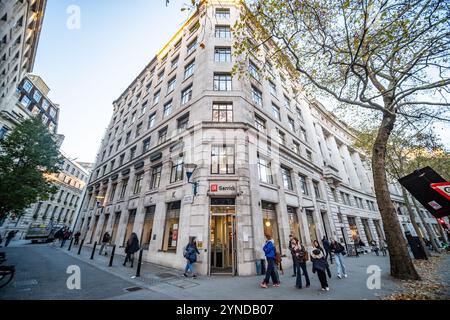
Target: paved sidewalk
pixel 170 282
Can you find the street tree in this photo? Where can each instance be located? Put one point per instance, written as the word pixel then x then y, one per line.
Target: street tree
pixel 408 149
pixel 387 56
pixel 28 156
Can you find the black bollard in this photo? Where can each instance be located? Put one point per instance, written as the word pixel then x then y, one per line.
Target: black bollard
pixel 93 250
pixel 70 245
pixel 81 246
pixel 112 256
pixel 138 270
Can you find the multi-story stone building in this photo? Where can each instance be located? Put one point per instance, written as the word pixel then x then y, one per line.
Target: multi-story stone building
pixel 268 160
pixel 61 209
pixel 20 27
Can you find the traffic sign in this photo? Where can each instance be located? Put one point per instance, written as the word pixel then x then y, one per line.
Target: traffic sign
pixel 443 188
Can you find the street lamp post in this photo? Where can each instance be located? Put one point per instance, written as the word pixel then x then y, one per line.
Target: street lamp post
pixel 190 168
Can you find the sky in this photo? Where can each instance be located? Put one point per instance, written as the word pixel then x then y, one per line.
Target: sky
pixel 87 68
pixel 88 62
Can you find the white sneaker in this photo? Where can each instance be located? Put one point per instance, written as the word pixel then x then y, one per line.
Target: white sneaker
pixel 328 289
pixel 345 275
pixel 322 289
pixel 339 276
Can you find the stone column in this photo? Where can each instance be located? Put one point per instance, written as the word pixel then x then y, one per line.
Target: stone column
pixel 362 173
pixel 354 180
pixel 336 158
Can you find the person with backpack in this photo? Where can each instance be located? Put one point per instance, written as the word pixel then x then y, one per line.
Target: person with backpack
pixel 131 248
pixel 190 253
pixel 300 259
pixel 339 252
pixel 105 242
pixel 320 266
pixel 270 253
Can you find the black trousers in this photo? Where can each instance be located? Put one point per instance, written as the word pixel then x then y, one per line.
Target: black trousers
pixel 293 264
pixel 328 253
pixel 322 278
pixel 129 257
pixel 271 273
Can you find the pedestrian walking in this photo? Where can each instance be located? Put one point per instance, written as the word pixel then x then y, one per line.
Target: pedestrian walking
pixel 316 245
pixel 356 244
pixel 326 247
pixel 300 259
pixel 375 247
pixel 383 247
pixel 65 237
pixel 105 241
pixel 11 234
pixel 131 248
pixel 190 253
pixel 339 252
pixel 320 265
pixel 270 253
pixel 77 237
pixel 291 239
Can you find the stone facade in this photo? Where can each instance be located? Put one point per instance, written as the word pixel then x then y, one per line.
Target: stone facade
pixel 269 160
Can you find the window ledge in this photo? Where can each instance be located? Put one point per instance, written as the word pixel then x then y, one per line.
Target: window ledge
pixel 174 185
pixel 190 54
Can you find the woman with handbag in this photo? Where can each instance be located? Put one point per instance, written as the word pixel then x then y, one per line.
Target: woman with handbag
pixel 339 253
pixel 300 258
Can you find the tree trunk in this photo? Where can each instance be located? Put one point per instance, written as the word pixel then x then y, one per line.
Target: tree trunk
pixel 433 239
pixel 401 264
pixel 414 223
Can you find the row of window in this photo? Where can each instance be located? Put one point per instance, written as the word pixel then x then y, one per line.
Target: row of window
pixel 68 216
pixel 358 201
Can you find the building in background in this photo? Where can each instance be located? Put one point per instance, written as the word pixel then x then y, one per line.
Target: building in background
pixel 62 207
pixel 267 159
pixel 20 27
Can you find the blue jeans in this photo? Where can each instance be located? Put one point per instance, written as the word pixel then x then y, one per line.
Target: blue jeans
pixel 189 267
pixel 299 268
pixel 270 272
pixel 340 264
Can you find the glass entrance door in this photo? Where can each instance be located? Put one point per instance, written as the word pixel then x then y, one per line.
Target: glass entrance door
pixel 223 238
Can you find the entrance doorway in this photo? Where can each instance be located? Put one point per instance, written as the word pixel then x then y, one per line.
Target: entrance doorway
pixel 223 236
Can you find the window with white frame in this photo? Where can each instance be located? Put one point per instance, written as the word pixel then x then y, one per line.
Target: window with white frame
pixel 186 95
pixel 171 85
pixel 189 70
pixel 222 54
pixel 27 85
pixel 272 88
pixel 257 96
pixel 264 170
pixel 223 13
pixel 25 101
pixel 177 170
pixel 222 112
pixel 276 112
pixel 174 63
pixel 167 109
pixel 191 46
pixel 253 70
pixel 291 125
pixel 156 98
pixel 222 82
pixel 151 120
pixel 287 180
pixel 223 32
pixel 260 124
pixel 222 159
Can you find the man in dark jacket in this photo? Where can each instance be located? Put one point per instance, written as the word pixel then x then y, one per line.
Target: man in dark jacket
pixel 77 237
pixel 326 247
